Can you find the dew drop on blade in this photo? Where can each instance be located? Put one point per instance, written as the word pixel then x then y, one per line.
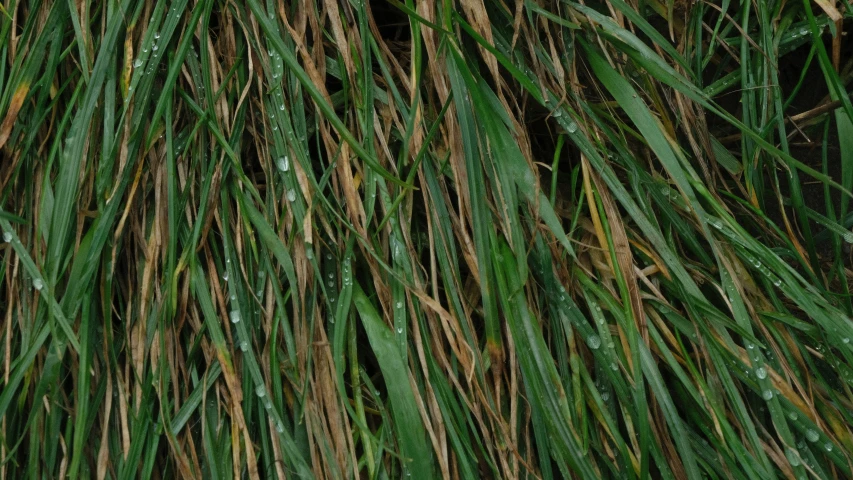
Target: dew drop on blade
pixel 793 457
pixel 593 341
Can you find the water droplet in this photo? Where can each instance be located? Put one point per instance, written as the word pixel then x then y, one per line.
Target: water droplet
pixel 400 330
pixel 845 340
pixel 137 63
pixel 330 283
pixel 7 237
pixel 793 457
pixel 279 427
pixel 761 373
pixel 281 107
pixel 793 415
pixel 812 435
pixel 156 34
pixel 767 394
pixel 291 195
pixel 154 47
pixel 399 305
pixel 283 164
pixel 605 396
pixel 593 341
pixel 225 276
pixel 827 447
pixel 260 391
pixel 557 114
pixel 614 367
pixel 235 316
pixel 572 128
pixel 38 284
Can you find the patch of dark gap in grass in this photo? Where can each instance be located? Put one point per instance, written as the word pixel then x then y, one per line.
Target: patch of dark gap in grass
pixel 419 221
pixel 251 161
pixel 807 145
pixel 395 33
pixel 392 23
pixel 317 154
pixel 544 132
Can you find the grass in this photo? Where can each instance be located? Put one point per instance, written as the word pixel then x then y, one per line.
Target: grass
pixel 469 239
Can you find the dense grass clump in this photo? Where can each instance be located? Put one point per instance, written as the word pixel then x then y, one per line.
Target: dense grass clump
pixel 439 239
